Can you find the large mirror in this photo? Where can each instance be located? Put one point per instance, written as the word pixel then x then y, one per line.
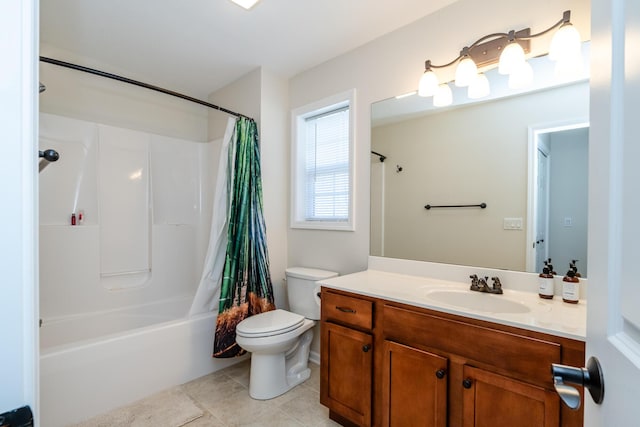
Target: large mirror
pixel 522 154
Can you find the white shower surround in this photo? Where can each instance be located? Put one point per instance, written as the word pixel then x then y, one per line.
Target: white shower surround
pixel 106 343
pixel 178 181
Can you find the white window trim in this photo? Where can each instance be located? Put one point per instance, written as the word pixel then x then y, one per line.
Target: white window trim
pixel 298 117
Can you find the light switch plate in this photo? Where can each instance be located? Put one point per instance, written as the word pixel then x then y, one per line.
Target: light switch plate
pixel 512 223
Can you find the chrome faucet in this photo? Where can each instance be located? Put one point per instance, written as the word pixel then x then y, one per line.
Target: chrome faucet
pixel 480 284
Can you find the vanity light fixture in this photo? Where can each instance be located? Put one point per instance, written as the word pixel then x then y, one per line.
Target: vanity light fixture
pixel 443 96
pixel 467 70
pixel 428 82
pixel 479 88
pixel 508 50
pixel 521 76
pixel 512 56
pixel 247 4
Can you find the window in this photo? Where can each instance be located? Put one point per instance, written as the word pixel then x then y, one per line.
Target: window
pixel 322 178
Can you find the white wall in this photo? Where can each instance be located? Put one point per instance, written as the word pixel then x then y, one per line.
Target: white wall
pixel 476 153
pixel 274 137
pixel 97 99
pixel 392 65
pixel 262 95
pixel 18 220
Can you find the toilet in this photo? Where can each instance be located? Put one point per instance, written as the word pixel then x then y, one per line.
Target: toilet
pixel 279 340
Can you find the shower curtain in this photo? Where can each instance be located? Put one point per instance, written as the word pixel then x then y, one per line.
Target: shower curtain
pixel 246 287
pixel 208 292
pixel 236 268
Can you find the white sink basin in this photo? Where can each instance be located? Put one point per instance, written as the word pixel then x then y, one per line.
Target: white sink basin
pixel 477 301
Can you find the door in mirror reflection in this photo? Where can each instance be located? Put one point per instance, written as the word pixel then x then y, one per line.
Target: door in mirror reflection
pixel 560 197
pixel 542 212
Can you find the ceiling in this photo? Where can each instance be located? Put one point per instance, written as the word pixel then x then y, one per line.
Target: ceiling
pixel 199 46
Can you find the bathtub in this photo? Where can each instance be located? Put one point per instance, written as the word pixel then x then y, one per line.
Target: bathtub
pixel 92 363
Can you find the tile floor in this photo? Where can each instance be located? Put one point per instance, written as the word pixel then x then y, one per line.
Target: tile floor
pixel 222 399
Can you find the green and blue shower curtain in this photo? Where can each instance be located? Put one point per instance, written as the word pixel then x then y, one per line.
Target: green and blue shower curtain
pixel 246 287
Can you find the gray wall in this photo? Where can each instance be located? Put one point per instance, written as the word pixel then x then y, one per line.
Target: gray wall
pixel 568 199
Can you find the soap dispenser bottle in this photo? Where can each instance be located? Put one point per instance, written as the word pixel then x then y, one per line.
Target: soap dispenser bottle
pixel 550 266
pixel 545 283
pixel 570 285
pixel 574 268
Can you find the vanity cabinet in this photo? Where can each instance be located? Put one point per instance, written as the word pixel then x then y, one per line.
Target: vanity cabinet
pixel 346 371
pixel 414 387
pixel 494 400
pixel 429 368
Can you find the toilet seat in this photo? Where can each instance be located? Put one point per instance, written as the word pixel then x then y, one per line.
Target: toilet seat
pixel 270 323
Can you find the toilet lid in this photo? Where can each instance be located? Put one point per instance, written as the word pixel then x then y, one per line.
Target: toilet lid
pixel 269 323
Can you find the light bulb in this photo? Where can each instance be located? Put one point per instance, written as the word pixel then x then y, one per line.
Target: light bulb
pixel 247 4
pixel 568 68
pixel 521 77
pixel 428 83
pixel 511 58
pixel 479 88
pixel 565 43
pixel 466 72
pixel 443 96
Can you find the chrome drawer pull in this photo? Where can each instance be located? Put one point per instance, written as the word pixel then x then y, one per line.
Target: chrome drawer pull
pixel 346 310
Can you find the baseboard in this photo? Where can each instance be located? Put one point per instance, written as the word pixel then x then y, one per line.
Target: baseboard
pixel 314 357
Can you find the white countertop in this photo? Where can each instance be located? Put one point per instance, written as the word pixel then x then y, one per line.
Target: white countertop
pixel 548 316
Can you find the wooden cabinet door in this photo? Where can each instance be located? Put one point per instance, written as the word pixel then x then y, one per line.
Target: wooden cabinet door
pixel 414 387
pixel 346 372
pixel 492 400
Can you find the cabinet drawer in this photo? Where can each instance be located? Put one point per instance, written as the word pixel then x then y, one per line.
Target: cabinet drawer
pixel 347 310
pixel 515 355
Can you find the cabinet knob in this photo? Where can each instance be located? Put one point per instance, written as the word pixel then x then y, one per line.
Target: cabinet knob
pixel 440 373
pixel 366 348
pixel 467 383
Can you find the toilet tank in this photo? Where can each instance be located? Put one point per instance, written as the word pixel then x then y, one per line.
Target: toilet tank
pixel 302 290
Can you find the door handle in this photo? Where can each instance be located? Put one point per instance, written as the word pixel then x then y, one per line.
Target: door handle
pixel 590 377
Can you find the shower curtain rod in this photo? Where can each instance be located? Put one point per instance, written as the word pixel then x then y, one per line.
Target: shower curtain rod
pixel 138 83
pixel 381 156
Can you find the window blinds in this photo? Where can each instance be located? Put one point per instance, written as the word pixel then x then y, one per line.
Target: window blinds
pixel 327 166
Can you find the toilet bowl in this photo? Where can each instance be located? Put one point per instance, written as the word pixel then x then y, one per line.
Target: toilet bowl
pixel 279 341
